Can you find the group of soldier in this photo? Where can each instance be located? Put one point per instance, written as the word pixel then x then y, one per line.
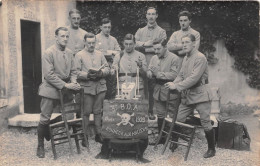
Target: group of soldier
pixel 176 64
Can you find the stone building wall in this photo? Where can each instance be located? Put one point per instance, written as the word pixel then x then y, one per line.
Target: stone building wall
pixel 50 15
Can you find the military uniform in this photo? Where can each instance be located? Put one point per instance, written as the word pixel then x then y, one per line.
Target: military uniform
pixel 76 39
pixel 128 64
pixel 175 40
pixel 167 71
pixel 149 32
pixel 192 81
pixel 58 69
pixel 108 45
pixel 94 89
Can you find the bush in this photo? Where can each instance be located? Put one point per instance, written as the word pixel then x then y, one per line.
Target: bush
pixel 235 22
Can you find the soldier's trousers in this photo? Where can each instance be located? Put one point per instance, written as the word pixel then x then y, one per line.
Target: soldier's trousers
pixel 203 109
pixel 93 104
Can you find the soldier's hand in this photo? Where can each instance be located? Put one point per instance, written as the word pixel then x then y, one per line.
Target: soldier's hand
pixel 149 74
pixel 148 43
pixel 73 86
pixel 139 62
pixel 170 85
pixel 99 73
pixel 112 71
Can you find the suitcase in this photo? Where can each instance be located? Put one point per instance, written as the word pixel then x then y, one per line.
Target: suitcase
pixel 233 135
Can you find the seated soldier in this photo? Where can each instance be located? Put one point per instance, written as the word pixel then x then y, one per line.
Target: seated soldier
pixel 130 60
pixel 127 63
pixel 163 67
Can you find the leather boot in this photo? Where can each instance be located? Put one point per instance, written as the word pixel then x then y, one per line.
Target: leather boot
pixel 160 123
pixel 40 148
pixel 210 136
pixel 47 135
pixel 175 138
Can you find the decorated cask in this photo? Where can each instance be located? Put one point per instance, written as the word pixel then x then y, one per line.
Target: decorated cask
pixel 125 119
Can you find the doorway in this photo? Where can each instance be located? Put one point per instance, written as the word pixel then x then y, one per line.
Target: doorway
pixel 31 65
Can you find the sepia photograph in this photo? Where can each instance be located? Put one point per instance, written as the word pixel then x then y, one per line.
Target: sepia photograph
pixel 156 83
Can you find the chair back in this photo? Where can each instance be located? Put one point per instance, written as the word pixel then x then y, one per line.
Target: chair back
pixel 71 102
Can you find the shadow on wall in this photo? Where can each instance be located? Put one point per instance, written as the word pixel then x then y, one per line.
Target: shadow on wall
pixel 232 83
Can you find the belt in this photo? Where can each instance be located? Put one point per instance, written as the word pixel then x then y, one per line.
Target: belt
pixel 162 82
pixel 199 83
pixel 128 74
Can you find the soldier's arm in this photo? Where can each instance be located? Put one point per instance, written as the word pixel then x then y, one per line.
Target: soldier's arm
pixel 197 39
pixel 200 65
pixel 143 69
pixel 172 74
pixel 105 70
pixel 48 71
pixel 139 43
pixel 173 44
pixel 78 63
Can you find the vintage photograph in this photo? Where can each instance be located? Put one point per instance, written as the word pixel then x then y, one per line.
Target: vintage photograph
pixel 156 83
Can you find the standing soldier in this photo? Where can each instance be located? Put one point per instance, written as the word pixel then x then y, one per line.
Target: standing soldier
pixel 110 47
pixel 76 40
pixel 192 81
pixel 174 44
pixel 92 67
pixel 58 71
pixel 144 41
pixel 163 67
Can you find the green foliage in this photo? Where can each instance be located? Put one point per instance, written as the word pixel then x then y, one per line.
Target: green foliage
pixel 235 22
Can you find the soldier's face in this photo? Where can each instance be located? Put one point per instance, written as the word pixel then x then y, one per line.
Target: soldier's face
pixel 90 44
pixel 159 50
pixel 184 22
pixel 106 28
pixel 75 20
pixel 129 45
pixel 62 38
pixel 151 16
pixel 187 44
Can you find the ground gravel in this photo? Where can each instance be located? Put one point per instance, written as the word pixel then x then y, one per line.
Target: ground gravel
pixel 18 147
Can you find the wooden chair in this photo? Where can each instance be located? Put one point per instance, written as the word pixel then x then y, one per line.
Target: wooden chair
pixel 172 121
pixel 60 131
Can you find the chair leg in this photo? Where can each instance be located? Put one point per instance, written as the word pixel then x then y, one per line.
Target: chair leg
pixel 189 145
pixel 167 139
pixel 52 144
pixel 69 138
pixel 76 140
pixel 160 136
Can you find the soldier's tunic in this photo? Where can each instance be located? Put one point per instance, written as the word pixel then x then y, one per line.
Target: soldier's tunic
pixel 94 89
pixel 104 43
pixel 149 32
pixel 107 45
pixel 127 64
pixel 76 40
pixel 175 40
pixel 192 80
pixel 58 69
pixel 167 71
